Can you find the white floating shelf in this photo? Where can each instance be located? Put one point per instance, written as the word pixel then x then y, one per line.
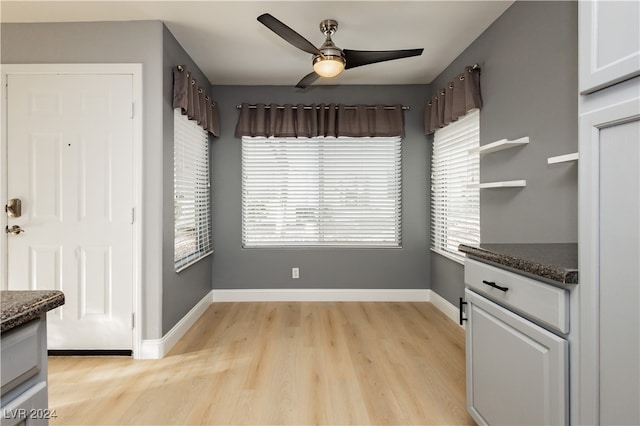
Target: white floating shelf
pixel 499 145
pixel 503 184
pixel 563 158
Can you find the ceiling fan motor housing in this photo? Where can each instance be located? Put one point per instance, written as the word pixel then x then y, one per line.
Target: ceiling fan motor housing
pixel 329 54
pixel 328 27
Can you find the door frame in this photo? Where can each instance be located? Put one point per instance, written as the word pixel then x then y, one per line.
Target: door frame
pixel 135 70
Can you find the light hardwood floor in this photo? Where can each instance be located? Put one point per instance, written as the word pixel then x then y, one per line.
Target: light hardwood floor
pixel 280 363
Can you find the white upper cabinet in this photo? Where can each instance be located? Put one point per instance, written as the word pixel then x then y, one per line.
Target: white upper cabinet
pixel 609 37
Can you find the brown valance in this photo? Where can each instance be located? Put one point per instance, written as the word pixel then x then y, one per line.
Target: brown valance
pixel 320 120
pixel 194 102
pixel 459 97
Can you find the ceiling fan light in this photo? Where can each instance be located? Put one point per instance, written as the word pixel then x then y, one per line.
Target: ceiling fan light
pixel 329 66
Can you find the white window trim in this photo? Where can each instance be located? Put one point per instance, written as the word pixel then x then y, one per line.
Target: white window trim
pixel 315 229
pixel 191 179
pixel 451 148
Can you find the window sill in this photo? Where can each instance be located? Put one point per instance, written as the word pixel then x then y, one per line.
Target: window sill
pixel 345 247
pixel 193 262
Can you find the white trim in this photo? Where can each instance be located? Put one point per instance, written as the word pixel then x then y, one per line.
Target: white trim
pixel 158 348
pixel 4 258
pixel 321 295
pixel 135 69
pixel 446 307
pixel 337 295
pixel 138 168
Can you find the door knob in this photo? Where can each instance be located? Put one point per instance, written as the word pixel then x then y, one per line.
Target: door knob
pixel 15 230
pixel 13 207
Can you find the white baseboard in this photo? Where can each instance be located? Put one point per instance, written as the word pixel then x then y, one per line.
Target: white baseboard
pixel 158 348
pixel 338 295
pixel 445 306
pixel 321 295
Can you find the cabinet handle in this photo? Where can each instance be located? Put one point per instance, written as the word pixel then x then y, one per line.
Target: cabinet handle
pixel 494 285
pixel 462 318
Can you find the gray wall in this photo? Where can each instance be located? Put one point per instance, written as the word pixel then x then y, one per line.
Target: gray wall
pixel 529 83
pixel 166 297
pixel 530 88
pixel 235 267
pixel 180 291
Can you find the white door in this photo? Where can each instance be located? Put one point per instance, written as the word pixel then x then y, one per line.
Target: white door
pixel 69 146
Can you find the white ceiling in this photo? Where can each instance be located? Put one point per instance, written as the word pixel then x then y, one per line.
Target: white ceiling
pixel 233 48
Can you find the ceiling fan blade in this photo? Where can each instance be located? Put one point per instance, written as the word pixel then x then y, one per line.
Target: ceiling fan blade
pixel 288 34
pixel 307 80
pixel 357 58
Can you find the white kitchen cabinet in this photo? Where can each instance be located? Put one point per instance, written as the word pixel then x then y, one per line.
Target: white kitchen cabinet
pixel 606 359
pixel 608 383
pixel 517 352
pixel 24 375
pixel 609 37
pixel 517 372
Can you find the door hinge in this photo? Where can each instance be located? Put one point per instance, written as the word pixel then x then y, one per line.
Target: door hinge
pixel 133 321
pixel 133 215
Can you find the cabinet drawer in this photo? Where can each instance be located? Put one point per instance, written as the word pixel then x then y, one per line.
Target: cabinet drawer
pixel 21 353
pixel 539 301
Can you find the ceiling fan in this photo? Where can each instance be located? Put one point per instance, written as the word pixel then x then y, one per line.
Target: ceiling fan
pixel 329 60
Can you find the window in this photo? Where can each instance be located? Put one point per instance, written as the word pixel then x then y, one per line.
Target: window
pixel 455 206
pixel 321 192
pixel 191 195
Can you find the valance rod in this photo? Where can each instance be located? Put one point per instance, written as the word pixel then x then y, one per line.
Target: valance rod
pixel 405 108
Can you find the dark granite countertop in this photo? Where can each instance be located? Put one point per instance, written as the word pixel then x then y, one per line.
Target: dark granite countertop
pixel 21 306
pixel 554 263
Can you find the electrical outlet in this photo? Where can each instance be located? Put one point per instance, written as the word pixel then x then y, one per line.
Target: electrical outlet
pixel 295 273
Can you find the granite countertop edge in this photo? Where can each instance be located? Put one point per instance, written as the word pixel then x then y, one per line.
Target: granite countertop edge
pixel 555 273
pixel 22 306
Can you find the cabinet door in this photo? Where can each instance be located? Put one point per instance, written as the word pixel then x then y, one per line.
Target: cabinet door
pixel 28 409
pixel 517 372
pixel 610 262
pixel 609 39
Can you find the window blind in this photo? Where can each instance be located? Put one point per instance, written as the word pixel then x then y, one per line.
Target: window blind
pixel 321 192
pixel 192 211
pixel 455 207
